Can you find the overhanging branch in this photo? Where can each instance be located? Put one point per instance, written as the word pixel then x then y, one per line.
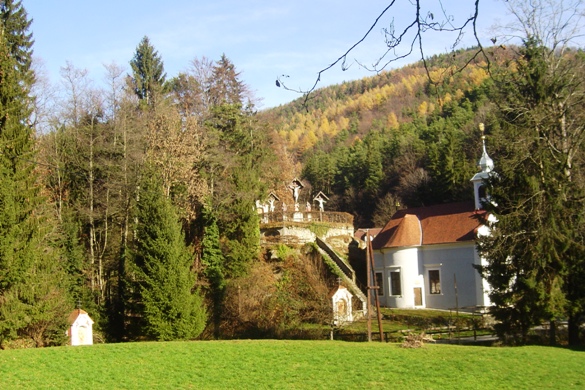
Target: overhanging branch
pixel 395 40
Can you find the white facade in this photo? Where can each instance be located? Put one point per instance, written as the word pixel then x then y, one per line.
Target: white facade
pixel 81 328
pixel 342 307
pixel 438 276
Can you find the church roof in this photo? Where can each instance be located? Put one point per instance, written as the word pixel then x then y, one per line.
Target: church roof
pixel 360 234
pixel 438 224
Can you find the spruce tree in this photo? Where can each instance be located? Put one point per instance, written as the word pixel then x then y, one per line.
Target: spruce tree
pixel 148 74
pixel 170 306
pixel 33 286
pixel 226 87
pixel 237 149
pixel 214 265
pixel 535 252
pixel 15 25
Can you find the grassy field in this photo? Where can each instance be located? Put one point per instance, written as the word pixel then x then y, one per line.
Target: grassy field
pixel 274 364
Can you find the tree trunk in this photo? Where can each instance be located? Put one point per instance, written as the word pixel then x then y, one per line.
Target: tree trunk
pixel 574 325
pixel 552 333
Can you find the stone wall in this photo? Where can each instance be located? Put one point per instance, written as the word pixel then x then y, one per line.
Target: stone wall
pixel 301 233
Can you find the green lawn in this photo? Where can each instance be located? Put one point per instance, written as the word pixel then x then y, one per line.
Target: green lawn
pixel 254 364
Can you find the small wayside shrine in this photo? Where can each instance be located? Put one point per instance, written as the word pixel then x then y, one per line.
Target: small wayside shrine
pixel 80 330
pixel 342 307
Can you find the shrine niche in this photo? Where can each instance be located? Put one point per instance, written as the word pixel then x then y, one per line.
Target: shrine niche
pixel 80 328
pixel 342 307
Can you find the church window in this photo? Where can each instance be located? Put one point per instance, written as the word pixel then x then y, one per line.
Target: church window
pixel 434 281
pixel 395 285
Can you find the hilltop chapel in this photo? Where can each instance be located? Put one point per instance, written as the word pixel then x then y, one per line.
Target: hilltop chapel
pixel 424 257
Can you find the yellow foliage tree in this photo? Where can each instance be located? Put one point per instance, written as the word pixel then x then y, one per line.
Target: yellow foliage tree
pixel 422 108
pixel 308 141
pixel 343 123
pixel 477 76
pixel 392 121
pixel 324 126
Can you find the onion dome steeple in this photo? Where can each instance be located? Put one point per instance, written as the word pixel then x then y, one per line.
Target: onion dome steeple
pixel 486 166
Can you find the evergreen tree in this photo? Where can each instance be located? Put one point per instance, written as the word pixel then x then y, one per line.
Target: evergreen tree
pixel 19 42
pixel 448 163
pixel 226 87
pixel 535 252
pixel 319 170
pixel 168 303
pixel 235 155
pixel 148 75
pixel 213 265
pixel 236 151
pixel 33 286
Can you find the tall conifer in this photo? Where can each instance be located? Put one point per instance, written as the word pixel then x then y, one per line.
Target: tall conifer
pixel 535 252
pixel 148 72
pixel 168 303
pixel 33 300
pixel 214 265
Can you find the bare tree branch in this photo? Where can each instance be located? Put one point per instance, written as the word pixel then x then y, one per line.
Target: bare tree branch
pixel 409 37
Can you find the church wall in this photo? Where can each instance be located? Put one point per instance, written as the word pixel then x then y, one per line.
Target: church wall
pixel 445 262
pixel 399 264
pixel 453 263
pixel 482 287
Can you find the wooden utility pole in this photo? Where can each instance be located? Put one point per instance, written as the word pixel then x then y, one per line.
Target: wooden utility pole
pixel 369 283
pixel 456 306
pixel 375 287
pixel 372 285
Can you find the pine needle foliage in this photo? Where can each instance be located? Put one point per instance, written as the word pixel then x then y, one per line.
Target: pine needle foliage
pixel 170 306
pixel 148 72
pixel 535 251
pixel 33 286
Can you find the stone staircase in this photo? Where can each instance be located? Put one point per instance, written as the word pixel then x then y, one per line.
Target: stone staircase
pixel 343 270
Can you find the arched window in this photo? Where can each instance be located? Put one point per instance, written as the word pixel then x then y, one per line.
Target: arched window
pixel 482 192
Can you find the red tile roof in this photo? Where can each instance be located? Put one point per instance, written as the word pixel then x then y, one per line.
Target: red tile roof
pixel 360 234
pixel 438 224
pixel 74 314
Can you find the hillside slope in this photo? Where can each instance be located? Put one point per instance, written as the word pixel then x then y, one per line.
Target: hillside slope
pixel 391 140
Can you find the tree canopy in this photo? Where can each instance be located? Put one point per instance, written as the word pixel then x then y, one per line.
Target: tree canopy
pixel 148 75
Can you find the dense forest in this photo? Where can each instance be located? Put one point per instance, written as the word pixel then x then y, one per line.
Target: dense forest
pixel 136 201
pixel 390 140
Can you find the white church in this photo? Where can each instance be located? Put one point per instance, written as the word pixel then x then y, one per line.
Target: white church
pixel 424 257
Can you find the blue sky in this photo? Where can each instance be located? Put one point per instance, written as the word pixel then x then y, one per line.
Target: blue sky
pixel 263 38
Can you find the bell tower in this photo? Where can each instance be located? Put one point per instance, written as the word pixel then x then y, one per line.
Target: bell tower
pixel 486 166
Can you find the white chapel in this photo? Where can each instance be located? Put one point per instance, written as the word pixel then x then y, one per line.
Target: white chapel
pixel 424 257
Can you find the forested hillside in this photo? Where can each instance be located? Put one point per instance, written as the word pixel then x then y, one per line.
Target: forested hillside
pixel 399 140
pixel 393 139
